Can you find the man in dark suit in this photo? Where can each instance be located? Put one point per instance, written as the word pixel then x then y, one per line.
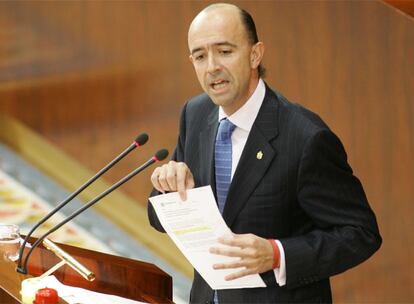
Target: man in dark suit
pixel 297 212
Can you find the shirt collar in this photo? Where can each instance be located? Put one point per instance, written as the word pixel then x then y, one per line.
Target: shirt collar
pixel 245 116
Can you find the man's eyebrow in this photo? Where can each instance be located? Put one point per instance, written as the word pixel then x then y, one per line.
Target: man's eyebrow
pixel 196 50
pixel 224 43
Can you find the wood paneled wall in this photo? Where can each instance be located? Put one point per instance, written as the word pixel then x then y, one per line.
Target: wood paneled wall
pixel 405 6
pixel 91 75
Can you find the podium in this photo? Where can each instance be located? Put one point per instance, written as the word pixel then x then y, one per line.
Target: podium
pixel 114 275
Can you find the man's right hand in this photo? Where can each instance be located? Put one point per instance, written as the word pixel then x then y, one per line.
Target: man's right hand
pixel 173 177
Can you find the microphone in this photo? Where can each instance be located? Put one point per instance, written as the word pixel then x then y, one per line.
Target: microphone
pixel 159 156
pixel 139 141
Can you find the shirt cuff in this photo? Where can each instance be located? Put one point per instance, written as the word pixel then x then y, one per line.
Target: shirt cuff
pixel 280 273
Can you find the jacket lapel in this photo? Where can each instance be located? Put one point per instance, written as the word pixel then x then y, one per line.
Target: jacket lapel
pixel 256 157
pixel 207 141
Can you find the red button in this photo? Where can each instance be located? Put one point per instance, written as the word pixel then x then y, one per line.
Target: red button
pixel 46 296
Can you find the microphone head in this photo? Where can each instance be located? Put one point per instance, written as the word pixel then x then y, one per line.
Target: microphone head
pixel 141 139
pixel 161 154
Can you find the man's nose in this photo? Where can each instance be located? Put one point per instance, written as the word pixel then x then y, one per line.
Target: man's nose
pixel 213 64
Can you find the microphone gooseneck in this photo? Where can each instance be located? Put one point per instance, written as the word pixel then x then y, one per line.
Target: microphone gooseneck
pixel 139 141
pixel 160 155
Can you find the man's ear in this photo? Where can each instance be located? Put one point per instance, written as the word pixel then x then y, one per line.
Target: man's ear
pixel 190 57
pixel 256 54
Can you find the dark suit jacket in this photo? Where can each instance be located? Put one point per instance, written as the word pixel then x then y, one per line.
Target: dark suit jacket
pixel 302 192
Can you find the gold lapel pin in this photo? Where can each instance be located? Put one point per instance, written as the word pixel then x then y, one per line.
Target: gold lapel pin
pixel 259 155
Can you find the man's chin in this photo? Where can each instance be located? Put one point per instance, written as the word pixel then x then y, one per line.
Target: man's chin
pixel 220 100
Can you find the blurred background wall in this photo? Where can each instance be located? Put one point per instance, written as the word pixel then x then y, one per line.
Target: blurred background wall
pixel 90 75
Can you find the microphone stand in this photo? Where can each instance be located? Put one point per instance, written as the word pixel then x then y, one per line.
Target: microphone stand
pixel 23 269
pixel 140 140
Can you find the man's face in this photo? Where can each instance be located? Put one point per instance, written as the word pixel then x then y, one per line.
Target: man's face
pixel 222 58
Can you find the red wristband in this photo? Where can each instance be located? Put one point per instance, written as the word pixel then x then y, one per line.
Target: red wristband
pixel 276 254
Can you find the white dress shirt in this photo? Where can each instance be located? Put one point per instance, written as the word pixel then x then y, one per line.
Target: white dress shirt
pixel 244 118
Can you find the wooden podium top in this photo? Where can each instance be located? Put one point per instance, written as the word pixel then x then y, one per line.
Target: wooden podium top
pixel 114 275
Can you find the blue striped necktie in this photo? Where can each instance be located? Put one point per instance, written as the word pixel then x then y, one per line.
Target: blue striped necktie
pixel 222 165
pixel 223 157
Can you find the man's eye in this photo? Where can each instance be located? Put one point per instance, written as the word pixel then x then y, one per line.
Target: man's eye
pixel 199 57
pixel 225 52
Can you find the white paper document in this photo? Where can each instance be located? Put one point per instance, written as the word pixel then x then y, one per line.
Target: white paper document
pixel 195 225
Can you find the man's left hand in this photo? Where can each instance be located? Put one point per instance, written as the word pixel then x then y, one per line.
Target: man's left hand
pixel 255 254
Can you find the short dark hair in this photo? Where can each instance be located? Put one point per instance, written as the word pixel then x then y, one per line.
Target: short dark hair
pixel 250 27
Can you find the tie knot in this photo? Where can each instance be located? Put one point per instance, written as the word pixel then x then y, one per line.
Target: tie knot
pixel 225 129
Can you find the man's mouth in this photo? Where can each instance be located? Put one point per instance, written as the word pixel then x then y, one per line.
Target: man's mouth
pixel 219 84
